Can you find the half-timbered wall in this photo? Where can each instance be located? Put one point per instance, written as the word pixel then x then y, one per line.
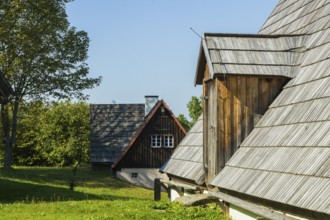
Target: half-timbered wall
pixel 232 106
pixel 141 154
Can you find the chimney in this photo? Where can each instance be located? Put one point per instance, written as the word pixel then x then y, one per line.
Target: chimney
pixel 150 102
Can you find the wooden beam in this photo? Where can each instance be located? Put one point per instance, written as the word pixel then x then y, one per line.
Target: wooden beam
pixel 257 209
pixel 183 185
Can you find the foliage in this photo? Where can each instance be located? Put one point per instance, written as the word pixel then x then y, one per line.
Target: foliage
pixel 41 56
pixel 195 109
pixel 184 122
pixel 52 134
pixel 98 196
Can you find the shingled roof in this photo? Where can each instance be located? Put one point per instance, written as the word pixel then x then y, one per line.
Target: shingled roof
pixel 187 160
pixel 112 128
pixel 286 158
pixel 247 54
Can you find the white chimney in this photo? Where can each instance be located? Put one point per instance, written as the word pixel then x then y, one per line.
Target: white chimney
pixel 150 102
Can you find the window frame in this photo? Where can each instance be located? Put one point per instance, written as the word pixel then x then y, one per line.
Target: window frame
pixel 156 141
pixel 168 141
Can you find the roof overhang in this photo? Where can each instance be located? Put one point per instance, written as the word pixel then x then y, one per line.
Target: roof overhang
pixel 248 54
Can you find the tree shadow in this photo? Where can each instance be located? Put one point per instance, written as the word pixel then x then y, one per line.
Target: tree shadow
pixel 15 191
pixel 61 176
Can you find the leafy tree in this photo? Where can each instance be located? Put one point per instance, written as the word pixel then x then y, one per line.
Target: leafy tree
pixel 184 122
pixel 52 134
pixel 41 56
pixel 195 108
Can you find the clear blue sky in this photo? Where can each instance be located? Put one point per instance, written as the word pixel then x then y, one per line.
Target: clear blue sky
pixel 146 47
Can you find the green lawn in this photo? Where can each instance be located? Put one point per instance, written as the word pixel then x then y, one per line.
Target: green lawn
pixel 43 193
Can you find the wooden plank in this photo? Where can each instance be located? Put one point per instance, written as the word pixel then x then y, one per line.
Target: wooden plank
pixel 233 109
pixel 205 126
pixel 239 102
pixel 259 210
pixel 228 119
pixel 243 109
pixel 212 138
pixel 222 99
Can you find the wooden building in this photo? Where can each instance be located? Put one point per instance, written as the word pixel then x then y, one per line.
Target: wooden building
pixel 266 148
pixel 137 139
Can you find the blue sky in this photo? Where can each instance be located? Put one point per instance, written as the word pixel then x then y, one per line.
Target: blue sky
pixel 146 47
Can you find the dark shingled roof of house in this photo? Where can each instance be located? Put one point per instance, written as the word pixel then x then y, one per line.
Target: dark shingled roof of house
pixel 112 128
pixel 187 159
pixel 286 158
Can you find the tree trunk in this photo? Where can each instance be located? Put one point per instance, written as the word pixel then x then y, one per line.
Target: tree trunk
pixel 6 136
pixel 9 138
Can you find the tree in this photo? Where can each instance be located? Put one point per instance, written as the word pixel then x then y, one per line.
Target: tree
pixel 184 122
pixel 195 108
pixel 41 56
pixel 52 134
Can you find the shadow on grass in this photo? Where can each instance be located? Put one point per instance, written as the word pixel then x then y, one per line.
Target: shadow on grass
pixel 14 191
pixel 61 176
pixel 35 184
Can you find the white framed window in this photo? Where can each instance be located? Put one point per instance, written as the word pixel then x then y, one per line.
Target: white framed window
pixel 168 141
pixel 156 141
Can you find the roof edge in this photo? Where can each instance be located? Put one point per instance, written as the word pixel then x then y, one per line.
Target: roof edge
pixel 257 203
pixel 252 35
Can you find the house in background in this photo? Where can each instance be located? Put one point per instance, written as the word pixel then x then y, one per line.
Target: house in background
pixel 134 140
pixel 266 145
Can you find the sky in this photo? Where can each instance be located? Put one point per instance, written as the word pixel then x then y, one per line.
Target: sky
pixel 147 47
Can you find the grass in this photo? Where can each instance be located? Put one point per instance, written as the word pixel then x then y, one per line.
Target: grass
pixel 43 193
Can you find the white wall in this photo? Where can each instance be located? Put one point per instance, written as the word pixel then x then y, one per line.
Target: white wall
pixel 237 213
pixel 145 177
pixel 174 195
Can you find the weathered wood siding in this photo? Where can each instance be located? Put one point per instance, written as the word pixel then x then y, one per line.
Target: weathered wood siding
pixel 232 107
pixel 141 154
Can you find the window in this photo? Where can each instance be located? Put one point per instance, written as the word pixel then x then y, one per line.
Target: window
pixel 168 141
pixel 134 175
pixel 156 141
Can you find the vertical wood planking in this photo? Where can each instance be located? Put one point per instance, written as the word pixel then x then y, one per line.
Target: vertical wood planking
pixel 243 110
pixel 222 97
pixel 141 154
pixel 229 118
pixel 205 121
pixel 212 137
pixel 239 100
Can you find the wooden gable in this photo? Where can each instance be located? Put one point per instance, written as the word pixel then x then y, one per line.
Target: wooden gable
pixel 140 153
pixel 232 108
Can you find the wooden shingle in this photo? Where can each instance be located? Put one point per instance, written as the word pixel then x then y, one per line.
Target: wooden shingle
pixel 285 159
pixel 187 160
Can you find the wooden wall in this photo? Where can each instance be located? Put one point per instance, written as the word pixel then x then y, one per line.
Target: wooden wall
pixel 141 154
pixel 232 106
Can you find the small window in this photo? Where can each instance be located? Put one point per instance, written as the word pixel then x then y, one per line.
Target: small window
pixel 156 141
pixel 134 175
pixel 168 141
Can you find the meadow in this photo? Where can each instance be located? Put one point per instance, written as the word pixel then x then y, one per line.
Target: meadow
pixel 43 193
